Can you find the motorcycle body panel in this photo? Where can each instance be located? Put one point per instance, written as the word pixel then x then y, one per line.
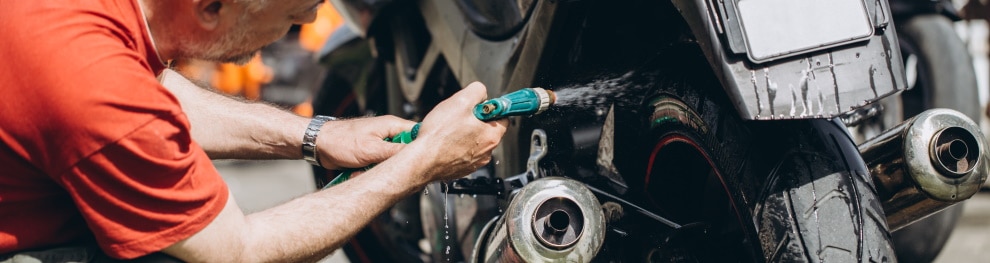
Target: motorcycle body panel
pixel 361 14
pixel 820 84
pixel 495 20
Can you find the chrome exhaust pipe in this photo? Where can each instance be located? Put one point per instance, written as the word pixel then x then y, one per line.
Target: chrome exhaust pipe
pixel 926 164
pixel 553 219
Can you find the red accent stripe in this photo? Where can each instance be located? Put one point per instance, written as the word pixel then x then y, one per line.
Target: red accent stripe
pixel 666 140
pixel 344 103
pixel 359 251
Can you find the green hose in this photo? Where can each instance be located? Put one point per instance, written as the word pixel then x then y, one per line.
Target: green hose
pixel 522 102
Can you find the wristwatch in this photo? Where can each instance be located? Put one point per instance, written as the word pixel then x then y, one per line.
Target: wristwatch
pixel 309 139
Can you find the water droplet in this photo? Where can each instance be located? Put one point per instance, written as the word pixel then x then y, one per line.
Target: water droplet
pixel 447 251
pixel 445 221
pixel 496 162
pixel 426 191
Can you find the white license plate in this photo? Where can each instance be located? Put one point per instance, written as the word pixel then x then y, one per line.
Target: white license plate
pixel 777 28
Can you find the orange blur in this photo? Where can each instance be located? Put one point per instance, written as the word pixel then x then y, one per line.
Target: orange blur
pixel 247 80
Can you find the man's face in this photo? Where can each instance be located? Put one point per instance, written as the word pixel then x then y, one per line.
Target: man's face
pixel 245 29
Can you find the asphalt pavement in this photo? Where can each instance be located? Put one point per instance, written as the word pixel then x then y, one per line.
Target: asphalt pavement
pixel 970 241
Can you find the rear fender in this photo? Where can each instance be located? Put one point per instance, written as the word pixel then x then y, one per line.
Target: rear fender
pixel 819 84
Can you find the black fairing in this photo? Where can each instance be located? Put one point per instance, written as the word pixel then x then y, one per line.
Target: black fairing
pixel 363 12
pixel 495 20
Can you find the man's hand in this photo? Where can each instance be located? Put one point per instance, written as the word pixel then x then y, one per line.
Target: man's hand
pixel 356 143
pixel 460 142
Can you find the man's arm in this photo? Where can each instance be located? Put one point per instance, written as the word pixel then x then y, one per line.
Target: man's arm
pixel 227 128
pixel 452 143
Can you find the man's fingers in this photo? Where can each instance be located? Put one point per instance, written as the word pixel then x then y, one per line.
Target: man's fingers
pixel 382 150
pixel 475 92
pixel 502 124
pixel 395 125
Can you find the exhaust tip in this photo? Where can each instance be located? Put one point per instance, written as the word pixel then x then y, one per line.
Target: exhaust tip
pixel 553 219
pixel 926 164
pixel 955 152
pixel 944 153
pixel 558 223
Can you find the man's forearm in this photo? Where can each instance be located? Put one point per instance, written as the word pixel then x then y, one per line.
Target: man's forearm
pixel 336 215
pixel 227 128
pixel 309 227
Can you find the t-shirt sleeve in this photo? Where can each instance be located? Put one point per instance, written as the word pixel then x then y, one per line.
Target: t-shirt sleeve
pixel 148 190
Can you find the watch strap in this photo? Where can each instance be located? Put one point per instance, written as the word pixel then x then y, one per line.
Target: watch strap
pixel 309 139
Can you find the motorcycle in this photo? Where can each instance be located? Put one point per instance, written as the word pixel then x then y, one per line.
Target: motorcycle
pixel 681 127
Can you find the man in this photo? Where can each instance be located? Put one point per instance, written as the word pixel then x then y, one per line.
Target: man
pixel 94 149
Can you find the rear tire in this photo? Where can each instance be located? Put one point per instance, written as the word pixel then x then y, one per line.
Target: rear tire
pixel 946 78
pixel 789 191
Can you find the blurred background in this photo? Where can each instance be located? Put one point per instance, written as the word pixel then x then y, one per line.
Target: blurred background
pixel 287 74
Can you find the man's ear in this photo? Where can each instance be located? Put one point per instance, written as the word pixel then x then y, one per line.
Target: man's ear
pixel 208 13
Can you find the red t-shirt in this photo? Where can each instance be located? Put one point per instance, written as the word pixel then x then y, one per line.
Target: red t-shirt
pixel 91 145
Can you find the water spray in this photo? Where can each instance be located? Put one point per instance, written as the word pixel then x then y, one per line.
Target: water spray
pixel 523 102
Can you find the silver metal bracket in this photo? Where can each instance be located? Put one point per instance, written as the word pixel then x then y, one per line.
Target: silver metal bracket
pixel 537 150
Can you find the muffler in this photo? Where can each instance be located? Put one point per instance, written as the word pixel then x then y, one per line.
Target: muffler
pixel 553 219
pixel 926 164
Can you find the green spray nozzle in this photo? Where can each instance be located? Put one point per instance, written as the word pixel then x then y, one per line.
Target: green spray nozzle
pixel 526 101
pixel 522 102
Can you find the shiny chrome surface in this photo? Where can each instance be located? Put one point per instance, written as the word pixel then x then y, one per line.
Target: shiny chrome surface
pixel 537 150
pixel 553 219
pixel 546 97
pixel 926 164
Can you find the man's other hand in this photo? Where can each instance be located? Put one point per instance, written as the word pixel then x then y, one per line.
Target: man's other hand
pixel 355 143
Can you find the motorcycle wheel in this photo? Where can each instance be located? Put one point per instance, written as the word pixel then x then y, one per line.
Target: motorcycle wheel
pixel 945 74
pixel 778 191
pixel 945 78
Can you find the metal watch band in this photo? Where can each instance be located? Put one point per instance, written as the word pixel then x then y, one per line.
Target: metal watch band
pixel 309 139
